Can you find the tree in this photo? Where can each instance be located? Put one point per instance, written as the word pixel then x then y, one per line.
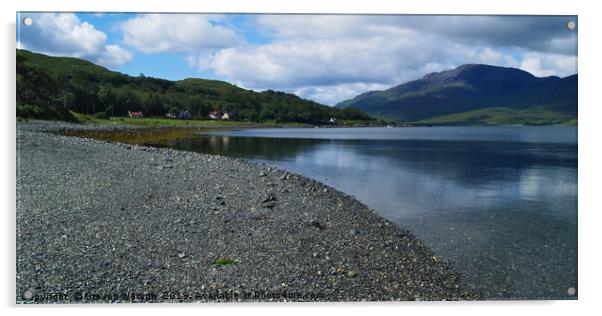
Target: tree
pixel 36 87
pixel 44 81
pixel 153 105
pixel 106 99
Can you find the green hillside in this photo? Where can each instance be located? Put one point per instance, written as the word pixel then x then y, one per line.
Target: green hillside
pixel 502 116
pixel 51 87
pixel 475 94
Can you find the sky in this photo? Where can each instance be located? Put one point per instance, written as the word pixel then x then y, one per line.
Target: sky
pixel 325 58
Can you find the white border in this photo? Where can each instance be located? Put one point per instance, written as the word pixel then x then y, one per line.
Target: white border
pixel 589 145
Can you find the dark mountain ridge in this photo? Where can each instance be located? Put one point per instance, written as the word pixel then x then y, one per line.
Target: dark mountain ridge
pixel 471 90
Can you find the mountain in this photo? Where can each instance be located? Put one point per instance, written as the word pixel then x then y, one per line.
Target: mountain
pixel 475 94
pixel 52 87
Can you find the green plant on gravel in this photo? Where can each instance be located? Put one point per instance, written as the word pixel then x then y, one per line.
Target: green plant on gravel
pixel 225 262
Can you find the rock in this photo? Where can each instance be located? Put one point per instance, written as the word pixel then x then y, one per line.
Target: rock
pixel 270 198
pixel 269 204
pixel 317 224
pixel 259 216
pixel 351 274
pixel 28 295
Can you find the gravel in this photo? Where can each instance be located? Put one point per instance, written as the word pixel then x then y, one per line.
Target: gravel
pixel 108 222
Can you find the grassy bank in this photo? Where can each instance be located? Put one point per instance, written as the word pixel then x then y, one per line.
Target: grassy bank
pixel 164 130
pixel 25 112
pixel 140 136
pixel 167 122
pixel 28 111
pixel 503 116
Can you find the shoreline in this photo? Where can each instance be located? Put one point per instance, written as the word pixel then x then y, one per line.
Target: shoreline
pixel 109 219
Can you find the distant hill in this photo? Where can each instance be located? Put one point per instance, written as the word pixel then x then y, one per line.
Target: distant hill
pixel 475 94
pixel 50 87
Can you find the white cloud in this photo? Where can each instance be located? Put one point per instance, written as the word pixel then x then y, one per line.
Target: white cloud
pixel 152 33
pixel 495 57
pixel 324 58
pixel 330 70
pixel 543 65
pixel 64 34
pixel 538 33
pixel 114 55
pixel 314 26
pixel 320 62
pixel 331 58
pixel 335 93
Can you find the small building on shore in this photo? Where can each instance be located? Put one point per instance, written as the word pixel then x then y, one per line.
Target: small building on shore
pixel 135 114
pixel 184 115
pixel 180 115
pixel 214 115
pixel 226 116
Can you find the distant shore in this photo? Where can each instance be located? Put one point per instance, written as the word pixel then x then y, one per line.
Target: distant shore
pixel 110 222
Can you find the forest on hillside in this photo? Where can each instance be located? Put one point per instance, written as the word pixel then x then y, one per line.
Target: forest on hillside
pixel 50 87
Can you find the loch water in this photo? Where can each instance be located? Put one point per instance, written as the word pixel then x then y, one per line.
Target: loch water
pixel 500 203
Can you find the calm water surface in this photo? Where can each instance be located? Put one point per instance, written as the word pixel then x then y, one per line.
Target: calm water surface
pixel 498 202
